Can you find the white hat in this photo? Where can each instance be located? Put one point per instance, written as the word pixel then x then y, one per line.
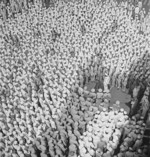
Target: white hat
pixel 92 90
pixel 100 90
pixel 118 102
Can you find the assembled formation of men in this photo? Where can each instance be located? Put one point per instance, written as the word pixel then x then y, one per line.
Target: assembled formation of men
pixel 48 57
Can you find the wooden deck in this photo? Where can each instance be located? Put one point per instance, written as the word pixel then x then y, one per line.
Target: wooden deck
pixel 116 94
